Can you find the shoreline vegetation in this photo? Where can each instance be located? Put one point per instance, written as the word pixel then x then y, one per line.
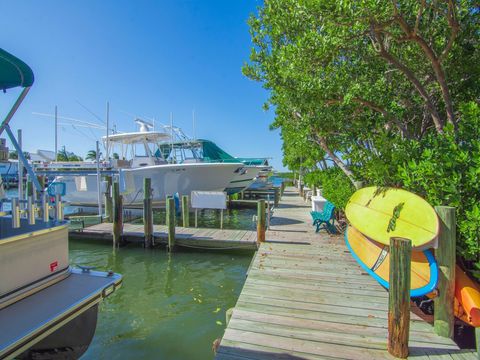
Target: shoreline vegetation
pixel 383 93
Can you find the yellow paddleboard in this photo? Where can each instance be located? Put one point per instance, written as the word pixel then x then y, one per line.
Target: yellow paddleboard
pixel 374 258
pixel 382 213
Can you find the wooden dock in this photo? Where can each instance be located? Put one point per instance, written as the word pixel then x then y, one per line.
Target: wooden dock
pixel 187 237
pixel 306 298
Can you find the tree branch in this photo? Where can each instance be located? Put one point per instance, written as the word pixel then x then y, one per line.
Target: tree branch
pixel 430 54
pixel 410 76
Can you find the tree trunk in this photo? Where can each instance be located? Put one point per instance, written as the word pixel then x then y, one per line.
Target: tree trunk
pixel 323 143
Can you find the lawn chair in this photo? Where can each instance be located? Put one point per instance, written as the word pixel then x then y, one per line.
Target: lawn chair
pixel 325 219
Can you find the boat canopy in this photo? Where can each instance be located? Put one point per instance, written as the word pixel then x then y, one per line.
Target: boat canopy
pixel 210 152
pixel 137 137
pixel 14 72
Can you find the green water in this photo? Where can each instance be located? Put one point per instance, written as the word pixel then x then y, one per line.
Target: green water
pixel 232 218
pixel 170 306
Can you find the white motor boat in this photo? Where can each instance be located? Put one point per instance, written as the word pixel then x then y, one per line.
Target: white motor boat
pixel 140 156
pixel 186 150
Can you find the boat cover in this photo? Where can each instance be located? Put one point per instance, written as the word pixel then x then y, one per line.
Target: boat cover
pixel 210 152
pixel 14 72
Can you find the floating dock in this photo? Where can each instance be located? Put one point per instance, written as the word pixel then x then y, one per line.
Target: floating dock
pixel 306 298
pixel 186 237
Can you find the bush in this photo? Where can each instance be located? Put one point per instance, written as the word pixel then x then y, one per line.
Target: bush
pixel 444 169
pixel 336 187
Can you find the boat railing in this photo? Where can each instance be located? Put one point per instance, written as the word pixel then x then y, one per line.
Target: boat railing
pixel 32 209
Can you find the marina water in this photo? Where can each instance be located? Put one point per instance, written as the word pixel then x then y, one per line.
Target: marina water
pixel 170 306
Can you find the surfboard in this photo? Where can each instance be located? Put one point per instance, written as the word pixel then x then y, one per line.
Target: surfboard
pixel 382 213
pixel 467 298
pixel 374 258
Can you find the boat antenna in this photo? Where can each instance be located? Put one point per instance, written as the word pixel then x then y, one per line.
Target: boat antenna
pixel 171 133
pixel 145 126
pixel 108 131
pixel 193 120
pixel 56 133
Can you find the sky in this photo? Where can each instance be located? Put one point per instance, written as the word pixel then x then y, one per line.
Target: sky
pixel 147 59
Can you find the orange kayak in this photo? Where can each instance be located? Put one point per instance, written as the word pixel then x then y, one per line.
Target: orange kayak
pixel 467 298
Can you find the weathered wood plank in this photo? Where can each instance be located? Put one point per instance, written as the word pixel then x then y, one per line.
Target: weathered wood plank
pixel 305 297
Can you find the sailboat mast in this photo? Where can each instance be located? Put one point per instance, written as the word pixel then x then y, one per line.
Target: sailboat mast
pixel 171 135
pixel 108 131
pixel 193 120
pixel 56 133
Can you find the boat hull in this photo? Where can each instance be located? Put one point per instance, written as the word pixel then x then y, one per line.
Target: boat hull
pixel 243 179
pixel 166 180
pixel 68 342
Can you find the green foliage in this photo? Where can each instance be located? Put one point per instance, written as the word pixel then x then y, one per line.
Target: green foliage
pixel 91 155
pixel 14 155
pixel 445 170
pixel 387 90
pixel 64 155
pixel 336 187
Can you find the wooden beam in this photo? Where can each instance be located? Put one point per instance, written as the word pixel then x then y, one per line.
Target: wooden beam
pixel 147 212
pixel 108 199
pixel 399 297
pixel 444 317
pixel 171 223
pixel 261 220
pixel 117 215
pixel 185 211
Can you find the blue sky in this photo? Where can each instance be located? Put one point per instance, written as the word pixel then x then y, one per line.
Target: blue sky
pixel 147 58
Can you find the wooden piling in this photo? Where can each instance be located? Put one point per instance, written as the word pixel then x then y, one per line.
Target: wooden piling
pixel 171 223
pixel 276 199
pixel 282 188
pixel 117 215
pixel 261 220
pixel 477 336
pixel 108 200
pixel 185 211
pixel 399 297
pixel 147 212
pixel 301 190
pixel 444 317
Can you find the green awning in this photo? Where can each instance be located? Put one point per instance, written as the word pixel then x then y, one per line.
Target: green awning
pixel 14 72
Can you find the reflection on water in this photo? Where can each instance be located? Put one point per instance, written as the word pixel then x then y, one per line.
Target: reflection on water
pixel 170 306
pixel 232 218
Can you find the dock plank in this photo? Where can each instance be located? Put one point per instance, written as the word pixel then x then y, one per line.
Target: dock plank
pixel 306 298
pixel 189 237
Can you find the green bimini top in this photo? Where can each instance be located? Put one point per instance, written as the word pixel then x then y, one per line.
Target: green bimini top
pixel 210 152
pixel 14 72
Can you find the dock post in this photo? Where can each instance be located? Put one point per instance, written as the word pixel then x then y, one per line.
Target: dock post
pixel 185 211
pixel 108 199
pixel 58 208
pixel 171 223
pixel 444 317
pixel 399 296
pixel 147 212
pixel 477 336
pixel 31 209
pixel 277 197
pixel 301 189
pixel 117 215
pixel 45 208
pixel 261 220
pixel 15 213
